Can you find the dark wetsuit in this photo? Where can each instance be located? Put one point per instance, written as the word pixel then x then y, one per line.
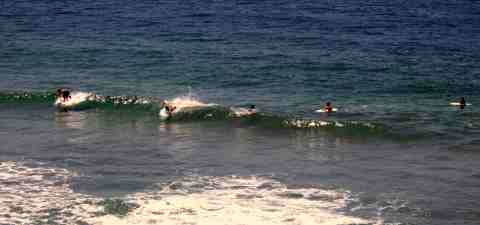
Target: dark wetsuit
pixel 462 103
pixel 66 95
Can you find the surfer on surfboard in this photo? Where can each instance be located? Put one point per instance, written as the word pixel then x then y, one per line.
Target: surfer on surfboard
pixel 328 107
pixel 169 108
pixel 64 94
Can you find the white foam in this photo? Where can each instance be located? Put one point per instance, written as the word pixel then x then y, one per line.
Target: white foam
pixel 164 113
pixel 308 123
pixel 239 112
pixel 183 103
pixel 323 110
pixel 458 104
pixel 28 194
pixel 234 200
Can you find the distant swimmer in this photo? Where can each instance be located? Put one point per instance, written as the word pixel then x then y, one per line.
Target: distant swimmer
pixel 59 93
pixel 252 109
pixel 328 107
pixel 64 94
pixel 463 103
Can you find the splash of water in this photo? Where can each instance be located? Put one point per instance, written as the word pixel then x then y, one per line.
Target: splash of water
pixel 187 101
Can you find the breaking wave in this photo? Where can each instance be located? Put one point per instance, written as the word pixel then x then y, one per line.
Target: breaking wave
pixel 191 109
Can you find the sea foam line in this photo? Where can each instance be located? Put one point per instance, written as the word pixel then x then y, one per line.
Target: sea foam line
pixel 32 195
pixel 236 200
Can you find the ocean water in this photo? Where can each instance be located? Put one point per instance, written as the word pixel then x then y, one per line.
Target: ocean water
pixel 396 151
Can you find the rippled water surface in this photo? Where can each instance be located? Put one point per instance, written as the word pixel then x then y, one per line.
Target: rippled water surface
pixel 395 152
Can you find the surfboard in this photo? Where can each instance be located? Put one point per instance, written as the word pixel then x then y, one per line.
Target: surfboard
pixel 458 103
pixel 323 110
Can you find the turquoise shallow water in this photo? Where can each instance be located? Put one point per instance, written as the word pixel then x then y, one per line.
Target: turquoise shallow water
pixel 391 67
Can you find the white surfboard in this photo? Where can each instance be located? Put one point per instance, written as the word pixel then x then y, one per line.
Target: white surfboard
pixel 458 103
pixel 323 110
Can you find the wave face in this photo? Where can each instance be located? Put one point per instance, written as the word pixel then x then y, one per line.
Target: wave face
pixel 23 97
pixel 191 109
pixel 362 121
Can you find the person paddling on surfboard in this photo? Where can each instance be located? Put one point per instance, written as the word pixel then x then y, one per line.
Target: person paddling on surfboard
pixel 328 107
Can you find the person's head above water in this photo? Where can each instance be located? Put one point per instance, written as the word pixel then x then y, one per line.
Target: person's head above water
pixel 328 107
pixel 252 106
pixel 463 103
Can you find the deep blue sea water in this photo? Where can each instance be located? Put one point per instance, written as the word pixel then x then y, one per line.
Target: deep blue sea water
pixel 391 67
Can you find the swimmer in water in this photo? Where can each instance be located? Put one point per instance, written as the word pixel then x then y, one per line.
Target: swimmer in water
pixel 328 107
pixel 252 109
pixel 463 103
